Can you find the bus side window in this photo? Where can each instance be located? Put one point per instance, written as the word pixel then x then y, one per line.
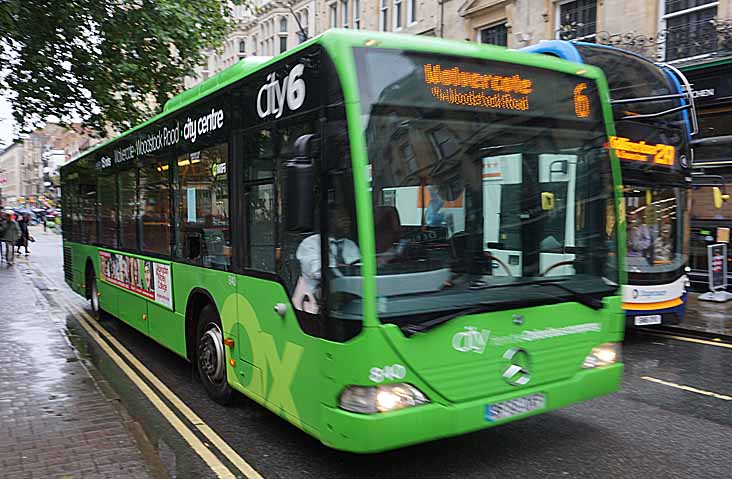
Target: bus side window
pixel 203 208
pixel 155 208
pixel 299 262
pixel 108 209
pixel 259 199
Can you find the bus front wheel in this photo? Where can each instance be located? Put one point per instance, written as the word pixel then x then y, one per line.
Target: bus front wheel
pixel 211 357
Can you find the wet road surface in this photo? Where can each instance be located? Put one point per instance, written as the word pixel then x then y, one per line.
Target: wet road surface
pixel 652 428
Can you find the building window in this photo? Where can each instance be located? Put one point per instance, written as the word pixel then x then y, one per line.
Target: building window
pixel 303 19
pixel 384 20
pixel 577 20
pixel 333 15
pixel 242 46
pixel 254 45
pixel 283 43
pixel 283 25
pixel 412 14
pixel 398 19
pixel 689 26
pixel 357 14
pixel 495 35
pixel 344 13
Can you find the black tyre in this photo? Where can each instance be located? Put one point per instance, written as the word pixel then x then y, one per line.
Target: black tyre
pixel 93 292
pixel 211 357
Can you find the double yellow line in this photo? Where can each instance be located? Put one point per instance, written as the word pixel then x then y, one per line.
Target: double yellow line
pixel 103 338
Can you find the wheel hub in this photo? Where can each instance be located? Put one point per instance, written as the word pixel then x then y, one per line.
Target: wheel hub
pixel 211 354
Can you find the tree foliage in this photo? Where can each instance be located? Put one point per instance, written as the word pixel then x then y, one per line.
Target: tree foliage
pixel 111 62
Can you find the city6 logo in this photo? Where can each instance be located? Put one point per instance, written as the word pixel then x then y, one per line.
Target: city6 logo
pixel 274 95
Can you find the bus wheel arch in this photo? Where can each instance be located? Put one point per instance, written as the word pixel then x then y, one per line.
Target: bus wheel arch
pixel 91 286
pixel 204 340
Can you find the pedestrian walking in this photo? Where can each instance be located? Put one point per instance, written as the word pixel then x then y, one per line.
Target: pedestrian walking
pixel 11 234
pixel 3 225
pixel 23 222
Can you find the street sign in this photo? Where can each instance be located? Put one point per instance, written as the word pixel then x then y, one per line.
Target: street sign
pixel 717 262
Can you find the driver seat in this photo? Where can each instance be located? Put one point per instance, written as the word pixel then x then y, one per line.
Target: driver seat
pixel 387 228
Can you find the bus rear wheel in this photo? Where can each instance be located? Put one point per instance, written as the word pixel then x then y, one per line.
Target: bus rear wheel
pixel 91 281
pixel 211 357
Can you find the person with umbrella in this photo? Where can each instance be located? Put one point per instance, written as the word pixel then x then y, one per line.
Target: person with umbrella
pixel 10 234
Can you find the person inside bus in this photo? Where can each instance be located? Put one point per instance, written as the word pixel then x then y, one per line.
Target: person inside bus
pixel 342 251
pixel 640 239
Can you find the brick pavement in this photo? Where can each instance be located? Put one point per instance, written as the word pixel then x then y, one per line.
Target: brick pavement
pixel 55 421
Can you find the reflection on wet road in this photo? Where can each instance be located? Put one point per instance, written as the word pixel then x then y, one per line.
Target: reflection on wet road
pixel 649 429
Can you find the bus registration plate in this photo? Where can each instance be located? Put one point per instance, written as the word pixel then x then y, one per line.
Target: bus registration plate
pixel 646 320
pixel 514 407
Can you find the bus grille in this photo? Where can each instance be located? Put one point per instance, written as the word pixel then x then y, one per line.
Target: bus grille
pixel 68 265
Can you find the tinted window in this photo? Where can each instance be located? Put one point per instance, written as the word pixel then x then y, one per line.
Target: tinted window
pixel 155 208
pixel 203 207
pixel 128 208
pixel 108 209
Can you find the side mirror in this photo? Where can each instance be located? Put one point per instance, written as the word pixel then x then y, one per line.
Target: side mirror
pixel 300 184
pixel 719 197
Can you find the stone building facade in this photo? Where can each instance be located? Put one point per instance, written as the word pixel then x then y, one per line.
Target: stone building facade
pixel 659 29
pixel 29 169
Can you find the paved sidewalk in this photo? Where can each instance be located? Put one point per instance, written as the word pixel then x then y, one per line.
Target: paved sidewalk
pixel 707 317
pixel 55 422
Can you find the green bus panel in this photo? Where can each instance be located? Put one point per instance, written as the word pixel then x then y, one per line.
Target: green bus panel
pixel 133 311
pixel 109 297
pixel 167 327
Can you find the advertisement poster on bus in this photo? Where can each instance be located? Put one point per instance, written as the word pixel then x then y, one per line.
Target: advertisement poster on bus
pixel 144 277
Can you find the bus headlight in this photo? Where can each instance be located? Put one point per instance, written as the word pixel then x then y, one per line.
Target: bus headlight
pixel 603 355
pixel 388 397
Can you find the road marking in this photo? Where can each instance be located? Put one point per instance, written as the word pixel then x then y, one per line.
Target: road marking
pixel 692 340
pixel 213 462
pixel 88 323
pixel 688 388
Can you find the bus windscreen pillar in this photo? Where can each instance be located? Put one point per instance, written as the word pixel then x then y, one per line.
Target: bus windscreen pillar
pixel 717 257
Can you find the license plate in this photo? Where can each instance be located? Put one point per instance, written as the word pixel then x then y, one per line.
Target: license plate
pixel 514 407
pixel 646 320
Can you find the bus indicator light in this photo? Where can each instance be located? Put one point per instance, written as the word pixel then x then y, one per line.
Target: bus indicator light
pixel 581 101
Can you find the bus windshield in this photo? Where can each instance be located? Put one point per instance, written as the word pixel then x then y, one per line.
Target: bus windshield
pixel 489 182
pixel 656 224
pixel 630 77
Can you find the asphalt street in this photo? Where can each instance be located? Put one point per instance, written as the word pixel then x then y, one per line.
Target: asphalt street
pixel 672 417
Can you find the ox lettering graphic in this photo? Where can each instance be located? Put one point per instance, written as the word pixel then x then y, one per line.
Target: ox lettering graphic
pixel 274 95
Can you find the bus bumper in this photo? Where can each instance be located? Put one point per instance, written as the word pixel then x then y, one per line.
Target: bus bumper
pixel 669 315
pixel 364 433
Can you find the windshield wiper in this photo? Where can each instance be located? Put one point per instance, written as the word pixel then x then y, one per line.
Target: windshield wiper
pixel 582 298
pixel 482 307
pixel 411 329
pixel 485 306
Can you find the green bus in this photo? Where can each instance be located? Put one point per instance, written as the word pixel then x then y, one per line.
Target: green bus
pixel 316 231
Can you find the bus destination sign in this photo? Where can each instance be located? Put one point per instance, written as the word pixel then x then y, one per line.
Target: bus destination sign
pixel 658 154
pixel 461 87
